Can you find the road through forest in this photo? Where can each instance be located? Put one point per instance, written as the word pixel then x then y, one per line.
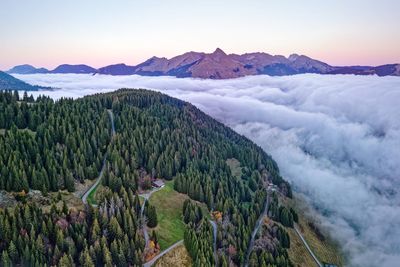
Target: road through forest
pixel 85 196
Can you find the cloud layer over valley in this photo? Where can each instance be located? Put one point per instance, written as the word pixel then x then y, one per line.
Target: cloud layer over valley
pixel 335 138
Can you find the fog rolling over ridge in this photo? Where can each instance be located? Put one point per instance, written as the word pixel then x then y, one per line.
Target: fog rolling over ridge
pixel 335 138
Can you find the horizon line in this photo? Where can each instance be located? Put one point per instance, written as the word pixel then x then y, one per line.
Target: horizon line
pixel 98 66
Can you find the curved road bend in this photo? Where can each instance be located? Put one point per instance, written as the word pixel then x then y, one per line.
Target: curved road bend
pixel 255 231
pixel 85 196
pixel 146 197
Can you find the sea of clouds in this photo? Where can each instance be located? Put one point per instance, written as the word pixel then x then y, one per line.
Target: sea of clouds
pixel 335 138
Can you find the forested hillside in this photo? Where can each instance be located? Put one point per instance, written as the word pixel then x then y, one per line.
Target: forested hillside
pixel 48 145
pixel 51 146
pixel 8 82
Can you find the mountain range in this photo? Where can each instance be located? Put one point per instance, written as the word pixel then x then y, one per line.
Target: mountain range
pixel 219 65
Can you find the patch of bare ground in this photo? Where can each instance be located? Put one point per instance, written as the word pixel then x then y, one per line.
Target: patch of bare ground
pixel 7 200
pixel 10 199
pixel 178 257
pixel 234 165
pixel 81 188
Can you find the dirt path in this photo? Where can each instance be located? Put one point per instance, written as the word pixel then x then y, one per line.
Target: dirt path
pixel 87 193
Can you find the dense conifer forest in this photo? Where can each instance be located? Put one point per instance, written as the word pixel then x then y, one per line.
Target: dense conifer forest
pixel 51 145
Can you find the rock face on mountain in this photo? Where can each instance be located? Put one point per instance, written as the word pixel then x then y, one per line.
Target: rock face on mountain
pixel 219 65
pixel 27 69
pixel 66 68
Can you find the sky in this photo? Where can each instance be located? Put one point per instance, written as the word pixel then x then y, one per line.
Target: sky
pixel 339 156
pixel 47 33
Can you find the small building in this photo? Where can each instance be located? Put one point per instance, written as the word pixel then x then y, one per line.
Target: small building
pixel 272 187
pixel 158 183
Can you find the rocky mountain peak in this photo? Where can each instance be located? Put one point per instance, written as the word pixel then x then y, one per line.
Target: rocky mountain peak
pixel 219 51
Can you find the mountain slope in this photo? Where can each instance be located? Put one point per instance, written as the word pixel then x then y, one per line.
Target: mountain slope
pixel 156 136
pixel 117 69
pixel 8 82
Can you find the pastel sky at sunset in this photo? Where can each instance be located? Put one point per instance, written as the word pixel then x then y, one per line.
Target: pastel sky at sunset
pixel 47 33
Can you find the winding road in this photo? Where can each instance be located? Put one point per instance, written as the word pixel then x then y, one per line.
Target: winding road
pixel 87 193
pixel 257 227
pixel 255 231
pixel 146 197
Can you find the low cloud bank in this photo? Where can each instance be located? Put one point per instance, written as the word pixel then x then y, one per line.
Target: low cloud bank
pixel 335 138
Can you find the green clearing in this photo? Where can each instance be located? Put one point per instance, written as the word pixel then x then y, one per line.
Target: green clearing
pixel 234 165
pixel 91 199
pixel 169 205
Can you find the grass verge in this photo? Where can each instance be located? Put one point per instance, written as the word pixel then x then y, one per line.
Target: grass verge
pixel 298 253
pixel 323 246
pixel 91 199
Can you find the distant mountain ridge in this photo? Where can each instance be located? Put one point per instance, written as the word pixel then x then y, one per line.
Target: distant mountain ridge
pixel 81 68
pixel 27 69
pixel 219 65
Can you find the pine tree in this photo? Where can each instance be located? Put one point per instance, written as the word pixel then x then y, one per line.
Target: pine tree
pixel 5 259
pixel 107 260
pixel 66 261
pixel 12 251
pixel 85 259
pixel 152 217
